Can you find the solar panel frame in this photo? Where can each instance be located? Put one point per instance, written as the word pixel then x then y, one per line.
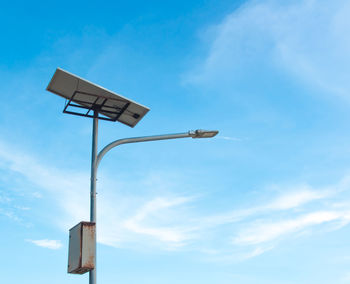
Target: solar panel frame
pixel 82 94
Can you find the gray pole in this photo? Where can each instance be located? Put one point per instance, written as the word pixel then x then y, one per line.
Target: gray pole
pixel 92 273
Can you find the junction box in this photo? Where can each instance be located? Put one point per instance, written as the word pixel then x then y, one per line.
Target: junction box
pixel 81 254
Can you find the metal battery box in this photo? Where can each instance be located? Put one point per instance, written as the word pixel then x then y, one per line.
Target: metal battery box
pixel 81 254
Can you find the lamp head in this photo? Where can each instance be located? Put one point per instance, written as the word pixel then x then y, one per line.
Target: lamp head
pixel 200 133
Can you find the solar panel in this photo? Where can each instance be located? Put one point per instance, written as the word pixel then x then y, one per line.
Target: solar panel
pixel 84 97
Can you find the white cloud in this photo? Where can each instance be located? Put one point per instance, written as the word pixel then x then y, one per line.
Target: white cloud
pixel 306 38
pixel 345 278
pixel 67 192
pixel 130 222
pixel 50 244
pixel 229 138
pixel 163 220
pixel 257 251
pixel 5 199
pixel 137 223
pixel 296 199
pixel 293 198
pixel 37 194
pixel 11 215
pixel 266 232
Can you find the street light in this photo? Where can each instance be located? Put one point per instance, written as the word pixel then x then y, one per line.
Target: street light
pixel 199 133
pixel 81 94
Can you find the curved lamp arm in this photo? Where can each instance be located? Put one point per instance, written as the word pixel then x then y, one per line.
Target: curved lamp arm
pixel 192 133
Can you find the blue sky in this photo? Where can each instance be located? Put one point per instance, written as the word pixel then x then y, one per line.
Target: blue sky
pixel 266 201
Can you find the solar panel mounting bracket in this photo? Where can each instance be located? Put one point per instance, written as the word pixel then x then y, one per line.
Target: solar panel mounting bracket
pixel 72 108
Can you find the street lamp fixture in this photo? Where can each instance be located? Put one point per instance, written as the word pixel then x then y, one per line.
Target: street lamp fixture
pixel 200 133
pixel 84 98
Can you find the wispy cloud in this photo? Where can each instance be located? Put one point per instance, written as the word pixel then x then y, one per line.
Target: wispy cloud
pixel 174 235
pixel 293 198
pixel 262 232
pixel 304 194
pixel 11 209
pixel 171 221
pixel 291 37
pixel 45 243
pixel 48 179
pixel 229 138
pixel 5 199
pixel 256 252
pixel 139 217
pixel 11 215
pixel 37 194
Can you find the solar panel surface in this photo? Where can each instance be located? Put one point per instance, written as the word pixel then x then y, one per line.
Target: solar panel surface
pixel 83 94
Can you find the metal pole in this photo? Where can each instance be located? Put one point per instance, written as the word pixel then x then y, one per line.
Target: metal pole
pixel 92 273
